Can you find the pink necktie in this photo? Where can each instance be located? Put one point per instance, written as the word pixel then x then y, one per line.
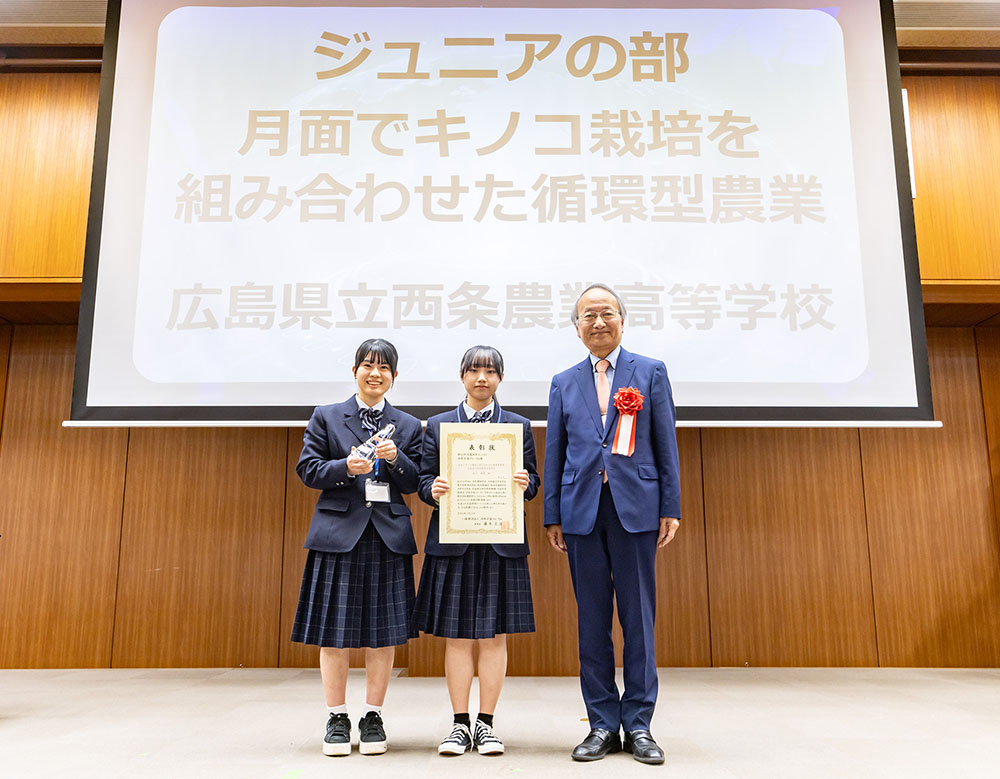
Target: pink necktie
pixel 603 394
pixel 603 388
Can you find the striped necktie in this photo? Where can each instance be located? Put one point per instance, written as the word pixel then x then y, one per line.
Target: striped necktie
pixel 370 420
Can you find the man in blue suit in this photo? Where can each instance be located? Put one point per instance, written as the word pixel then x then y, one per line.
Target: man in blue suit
pixel 610 512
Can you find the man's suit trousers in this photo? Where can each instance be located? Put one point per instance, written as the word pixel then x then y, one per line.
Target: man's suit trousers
pixel 606 564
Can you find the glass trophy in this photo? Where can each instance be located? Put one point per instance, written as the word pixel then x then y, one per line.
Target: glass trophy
pixel 367 449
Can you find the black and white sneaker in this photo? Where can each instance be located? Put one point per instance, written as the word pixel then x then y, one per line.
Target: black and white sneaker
pixel 486 740
pixel 372 740
pixel 458 742
pixel 337 741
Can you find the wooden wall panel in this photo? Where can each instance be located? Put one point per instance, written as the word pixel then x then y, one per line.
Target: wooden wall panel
pixel 5 338
pixel 988 353
pixel 682 616
pixel 60 513
pixel 48 123
pixel 933 536
pixel 299 504
pixel 784 532
pixel 200 572
pixel 789 580
pixel 955 128
pixel 552 649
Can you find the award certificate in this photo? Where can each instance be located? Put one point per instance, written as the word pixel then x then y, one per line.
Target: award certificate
pixel 483 506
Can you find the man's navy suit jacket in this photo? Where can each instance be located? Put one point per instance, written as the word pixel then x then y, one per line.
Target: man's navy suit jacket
pixel 645 486
pixel 342 512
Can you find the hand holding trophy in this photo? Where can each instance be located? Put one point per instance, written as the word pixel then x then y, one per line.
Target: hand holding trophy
pixel 367 449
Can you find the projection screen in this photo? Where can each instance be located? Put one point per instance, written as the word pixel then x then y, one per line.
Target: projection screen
pixel 275 183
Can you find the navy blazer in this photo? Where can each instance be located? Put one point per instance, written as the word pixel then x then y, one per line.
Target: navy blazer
pixel 645 486
pixel 342 513
pixel 430 466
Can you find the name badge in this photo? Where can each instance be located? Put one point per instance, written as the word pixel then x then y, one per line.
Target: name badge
pixel 377 491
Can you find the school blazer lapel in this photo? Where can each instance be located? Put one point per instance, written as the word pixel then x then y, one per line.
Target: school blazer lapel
pixel 352 420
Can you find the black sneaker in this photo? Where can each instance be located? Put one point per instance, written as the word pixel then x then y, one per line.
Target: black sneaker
pixel 458 742
pixel 372 740
pixel 338 736
pixel 487 742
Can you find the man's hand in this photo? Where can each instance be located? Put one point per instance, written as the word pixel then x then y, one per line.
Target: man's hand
pixel 439 487
pixel 521 479
pixel 668 526
pixel 554 532
pixel 357 465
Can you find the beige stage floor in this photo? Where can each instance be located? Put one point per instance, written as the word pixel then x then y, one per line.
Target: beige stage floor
pixel 711 722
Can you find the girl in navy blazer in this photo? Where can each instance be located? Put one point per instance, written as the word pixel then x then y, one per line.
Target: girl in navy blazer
pixel 357 587
pixel 473 593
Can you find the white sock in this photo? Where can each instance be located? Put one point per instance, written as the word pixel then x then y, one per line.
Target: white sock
pixel 341 709
pixel 369 707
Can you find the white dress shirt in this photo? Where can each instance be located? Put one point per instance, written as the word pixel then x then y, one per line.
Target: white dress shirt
pixel 380 406
pixel 469 411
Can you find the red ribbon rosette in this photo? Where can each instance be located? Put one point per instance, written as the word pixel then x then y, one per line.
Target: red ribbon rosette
pixel 628 401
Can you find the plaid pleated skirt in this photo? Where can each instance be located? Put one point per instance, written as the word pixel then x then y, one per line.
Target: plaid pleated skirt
pixel 476 595
pixel 361 598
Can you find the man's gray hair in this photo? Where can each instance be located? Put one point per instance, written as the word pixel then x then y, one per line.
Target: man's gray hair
pixel 575 315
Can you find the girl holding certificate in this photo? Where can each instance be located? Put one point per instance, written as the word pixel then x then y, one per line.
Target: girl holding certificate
pixel 474 593
pixel 357 587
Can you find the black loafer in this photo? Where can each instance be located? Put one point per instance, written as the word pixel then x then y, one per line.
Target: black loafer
pixel 597 744
pixel 640 743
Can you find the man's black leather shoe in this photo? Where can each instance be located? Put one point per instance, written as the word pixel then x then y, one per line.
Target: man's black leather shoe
pixel 597 744
pixel 640 743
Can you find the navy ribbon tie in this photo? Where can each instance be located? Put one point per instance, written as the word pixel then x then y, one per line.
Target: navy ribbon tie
pixel 482 416
pixel 371 420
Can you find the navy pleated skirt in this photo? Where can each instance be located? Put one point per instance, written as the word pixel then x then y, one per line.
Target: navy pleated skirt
pixel 476 595
pixel 361 598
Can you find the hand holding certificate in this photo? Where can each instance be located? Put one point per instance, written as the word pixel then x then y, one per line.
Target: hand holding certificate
pixel 485 503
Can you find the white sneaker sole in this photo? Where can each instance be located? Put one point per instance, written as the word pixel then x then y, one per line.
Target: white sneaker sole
pixel 336 750
pixel 451 750
pixel 492 749
pixel 373 747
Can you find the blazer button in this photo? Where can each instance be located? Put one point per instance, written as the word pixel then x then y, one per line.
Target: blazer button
pixel 369 504
pixel 605 444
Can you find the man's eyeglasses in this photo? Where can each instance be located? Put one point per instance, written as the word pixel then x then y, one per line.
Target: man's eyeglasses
pixel 607 315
